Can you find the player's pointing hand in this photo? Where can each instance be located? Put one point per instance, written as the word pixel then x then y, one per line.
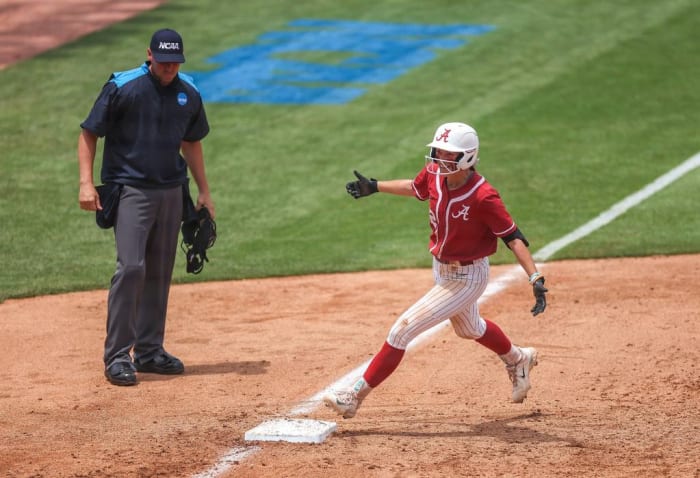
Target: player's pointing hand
pixel 362 187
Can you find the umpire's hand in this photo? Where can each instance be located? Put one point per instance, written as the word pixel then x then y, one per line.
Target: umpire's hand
pixel 361 187
pixel 539 290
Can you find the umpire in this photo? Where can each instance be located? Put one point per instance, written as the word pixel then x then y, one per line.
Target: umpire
pixel 152 120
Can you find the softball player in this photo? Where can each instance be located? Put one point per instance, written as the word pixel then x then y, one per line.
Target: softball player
pixel 467 216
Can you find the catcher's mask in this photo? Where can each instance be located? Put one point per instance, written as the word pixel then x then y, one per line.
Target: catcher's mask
pixel 198 235
pixel 456 138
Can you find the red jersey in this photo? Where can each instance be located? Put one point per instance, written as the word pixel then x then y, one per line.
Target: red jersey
pixel 466 222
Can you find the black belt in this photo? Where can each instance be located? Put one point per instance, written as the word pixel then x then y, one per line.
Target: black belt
pixel 454 263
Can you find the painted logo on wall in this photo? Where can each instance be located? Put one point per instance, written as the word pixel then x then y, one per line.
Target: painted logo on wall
pixel 353 57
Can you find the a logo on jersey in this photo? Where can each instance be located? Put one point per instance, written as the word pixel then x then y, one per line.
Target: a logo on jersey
pixel 444 136
pixel 462 213
pixel 164 45
pixel 182 99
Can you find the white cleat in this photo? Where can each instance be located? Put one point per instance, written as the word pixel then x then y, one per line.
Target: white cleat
pixel 519 373
pixel 345 402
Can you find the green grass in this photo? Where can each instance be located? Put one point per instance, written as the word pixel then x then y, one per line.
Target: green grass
pixel 577 104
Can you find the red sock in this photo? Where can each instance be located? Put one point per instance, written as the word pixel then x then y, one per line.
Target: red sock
pixel 495 339
pixel 383 364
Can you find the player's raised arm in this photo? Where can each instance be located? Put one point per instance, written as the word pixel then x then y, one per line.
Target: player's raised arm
pixel 401 187
pixel 364 187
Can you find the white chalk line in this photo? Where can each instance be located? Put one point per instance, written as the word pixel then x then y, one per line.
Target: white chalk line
pixel 237 454
pixel 232 457
pixel 619 208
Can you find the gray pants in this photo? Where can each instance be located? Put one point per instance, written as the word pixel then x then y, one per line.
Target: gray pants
pixel 146 234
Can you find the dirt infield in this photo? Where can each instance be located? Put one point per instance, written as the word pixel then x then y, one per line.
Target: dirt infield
pixel 616 394
pixel 29 27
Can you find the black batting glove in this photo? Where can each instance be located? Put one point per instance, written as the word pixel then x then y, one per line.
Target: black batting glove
pixel 539 290
pixel 362 187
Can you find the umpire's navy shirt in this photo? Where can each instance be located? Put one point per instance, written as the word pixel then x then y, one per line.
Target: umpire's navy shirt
pixel 143 124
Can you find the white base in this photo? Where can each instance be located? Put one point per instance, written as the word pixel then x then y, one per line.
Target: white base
pixel 291 430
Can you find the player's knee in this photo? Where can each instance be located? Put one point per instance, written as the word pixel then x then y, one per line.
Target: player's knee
pixel 397 342
pixel 470 329
pixel 399 337
pixel 466 334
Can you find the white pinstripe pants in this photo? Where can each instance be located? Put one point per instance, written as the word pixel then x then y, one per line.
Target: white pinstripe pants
pixel 454 296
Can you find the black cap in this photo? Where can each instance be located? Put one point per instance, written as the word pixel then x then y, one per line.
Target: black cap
pixel 167 46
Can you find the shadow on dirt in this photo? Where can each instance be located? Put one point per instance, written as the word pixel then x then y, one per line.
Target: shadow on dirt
pixel 250 367
pixel 257 367
pixel 501 429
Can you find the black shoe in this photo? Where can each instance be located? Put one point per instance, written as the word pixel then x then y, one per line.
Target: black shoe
pixel 162 363
pixel 121 373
